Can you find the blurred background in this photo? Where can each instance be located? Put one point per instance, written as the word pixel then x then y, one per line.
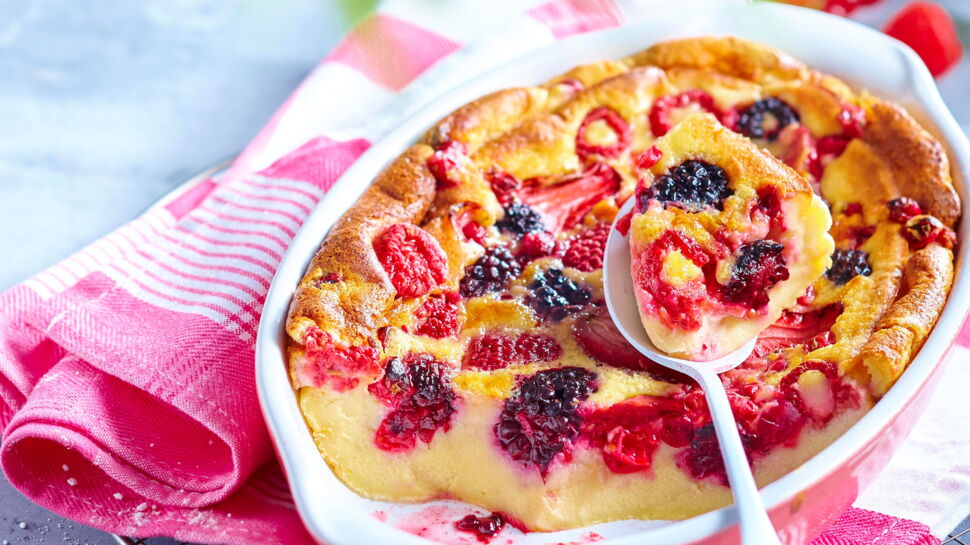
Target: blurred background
pixel 106 106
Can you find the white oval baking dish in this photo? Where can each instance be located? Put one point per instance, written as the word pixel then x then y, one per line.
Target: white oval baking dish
pixel 801 502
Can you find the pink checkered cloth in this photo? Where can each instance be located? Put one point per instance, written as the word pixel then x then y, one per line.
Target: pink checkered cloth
pixel 126 371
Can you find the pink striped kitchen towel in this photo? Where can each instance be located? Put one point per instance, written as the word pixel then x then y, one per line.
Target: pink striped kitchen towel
pixel 126 371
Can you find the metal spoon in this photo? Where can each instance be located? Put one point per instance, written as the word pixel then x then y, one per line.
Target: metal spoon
pixel 756 528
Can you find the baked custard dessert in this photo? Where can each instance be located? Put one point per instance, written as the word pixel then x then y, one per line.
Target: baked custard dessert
pixel 450 340
pixel 711 268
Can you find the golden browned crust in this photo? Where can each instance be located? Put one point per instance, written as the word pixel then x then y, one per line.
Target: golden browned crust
pixel 901 331
pixel 530 131
pixel 730 56
pixel 482 119
pixel 401 193
pixel 918 160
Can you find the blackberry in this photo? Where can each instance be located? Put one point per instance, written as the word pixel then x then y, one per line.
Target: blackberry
pixel 693 185
pixel 419 390
pixel 541 418
pixel 554 296
pixel 847 264
pixel 759 266
pixel 491 272
pixel 751 119
pixel 520 219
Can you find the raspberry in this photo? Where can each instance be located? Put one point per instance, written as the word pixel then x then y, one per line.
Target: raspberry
pixel 847 264
pixel 541 419
pixel 651 156
pixel 586 249
pixel 504 185
pixel 923 230
pixel 693 185
pixel 489 273
pixel 660 112
pixel 751 120
pixel 615 122
pixel 554 296
pixel 852 209
pixel 474 231
pixel 520 219
pixel 676 307
pixel 491 351
pixel 484 528
pixel 842 394
pixel 412 259
pixel 826 150
pixel 852 118
pixel 759 266
pixel 536 245
pixel 419 392
pixel 445 162
pixel 339 366
pixel 438 316
pixel 903 208
pixel 532 347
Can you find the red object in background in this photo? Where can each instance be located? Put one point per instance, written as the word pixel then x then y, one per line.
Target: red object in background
pixel 930 31
pixel 846 7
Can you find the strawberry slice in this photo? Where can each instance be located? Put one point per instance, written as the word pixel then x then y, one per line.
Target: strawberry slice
pixel 929 30
pixel 794 328
pixel 601 340
pixel 566 200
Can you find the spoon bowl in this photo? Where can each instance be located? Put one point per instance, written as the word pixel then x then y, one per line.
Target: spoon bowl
pixel 621 301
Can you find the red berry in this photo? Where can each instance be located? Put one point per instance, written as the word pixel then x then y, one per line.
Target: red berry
pixel 484 528
pixel 438 316
pixel 903 208
pixel 328 278
pixel 929 30
pixel 490 351
pixel 651 156
pixel 852 118
pixel 535 245
pixel 586 249
pixel 444 163
pixel 531 347
pixel 422 400
pixel 541 419
pixel 923 230
pixel 660 112
pixel 504 185
pixel 853 208
pixel 412 259
pixel 340 366
pixel 842 394
pixel 615 122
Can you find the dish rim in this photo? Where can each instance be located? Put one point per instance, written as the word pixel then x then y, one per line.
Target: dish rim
pixel 301 459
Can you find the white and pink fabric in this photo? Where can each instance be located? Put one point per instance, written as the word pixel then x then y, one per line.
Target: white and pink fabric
pixel 127 393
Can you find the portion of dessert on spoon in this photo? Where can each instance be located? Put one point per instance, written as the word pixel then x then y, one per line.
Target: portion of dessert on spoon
pixel 724 237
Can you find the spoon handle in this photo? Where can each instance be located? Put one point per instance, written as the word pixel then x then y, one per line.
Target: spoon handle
pixel 756 527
